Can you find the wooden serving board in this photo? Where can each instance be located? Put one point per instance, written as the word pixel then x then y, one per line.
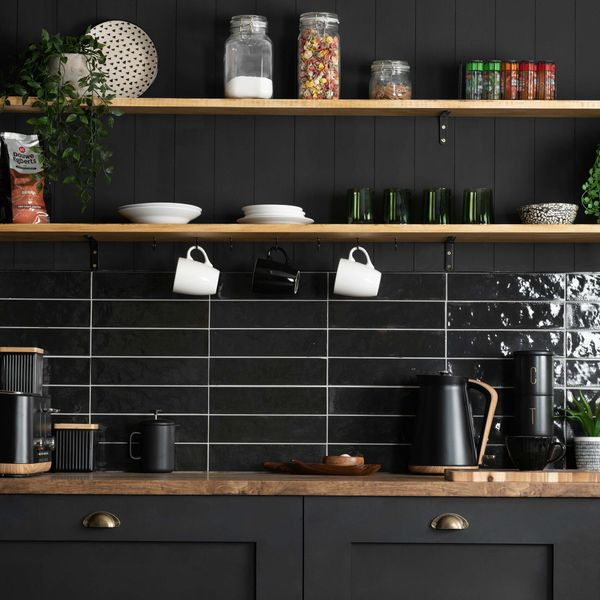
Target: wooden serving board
pixel 550 476
pixel 297 467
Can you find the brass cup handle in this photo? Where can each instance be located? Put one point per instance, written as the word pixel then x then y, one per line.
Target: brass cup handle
pixel 449 521
pixel 101 520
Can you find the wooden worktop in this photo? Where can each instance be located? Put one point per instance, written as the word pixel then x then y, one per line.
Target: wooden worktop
pixel 265 484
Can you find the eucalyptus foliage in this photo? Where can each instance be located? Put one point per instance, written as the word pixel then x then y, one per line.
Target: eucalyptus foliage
pixel 586 413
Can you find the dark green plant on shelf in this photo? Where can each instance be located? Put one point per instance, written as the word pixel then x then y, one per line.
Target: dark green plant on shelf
pixel 74 116
pixel 586 413
pixel 591 189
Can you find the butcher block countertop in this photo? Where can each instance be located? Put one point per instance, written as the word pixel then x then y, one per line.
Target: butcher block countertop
pixel 265 484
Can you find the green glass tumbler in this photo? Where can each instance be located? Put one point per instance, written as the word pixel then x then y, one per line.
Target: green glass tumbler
pixel 360 205
pixel 478 206
pixel 437 206
pixel 396 206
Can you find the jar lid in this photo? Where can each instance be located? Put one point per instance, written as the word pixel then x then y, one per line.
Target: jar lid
pixel 527 65
pixel 545 65
pixel 492 65
pixel 392 65
pixel 324 18
pixel 248 23
pixel 474 65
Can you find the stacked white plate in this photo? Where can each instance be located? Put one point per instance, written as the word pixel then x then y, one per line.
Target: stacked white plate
pixel 274 213
pixel 172 213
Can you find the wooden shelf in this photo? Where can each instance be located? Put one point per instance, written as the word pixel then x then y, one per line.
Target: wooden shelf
pixel 366 108
pixel 77 232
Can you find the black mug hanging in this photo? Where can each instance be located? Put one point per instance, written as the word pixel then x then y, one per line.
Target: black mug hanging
pixel 274 277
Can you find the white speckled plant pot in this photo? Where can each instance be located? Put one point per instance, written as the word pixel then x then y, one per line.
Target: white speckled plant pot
pixel 72 71
pixel 587 453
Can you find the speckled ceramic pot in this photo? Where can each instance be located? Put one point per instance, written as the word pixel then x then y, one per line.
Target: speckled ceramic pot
pixel 587 453
pixel 550 213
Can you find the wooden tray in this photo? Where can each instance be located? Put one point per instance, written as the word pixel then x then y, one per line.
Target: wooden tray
pixel 297 467
pixel 554 476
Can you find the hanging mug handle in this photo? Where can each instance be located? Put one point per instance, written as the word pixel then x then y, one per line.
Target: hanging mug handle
pixel 366 254
pixel 130 443
pixel 277 248
pixel 200 249
pixel 489 416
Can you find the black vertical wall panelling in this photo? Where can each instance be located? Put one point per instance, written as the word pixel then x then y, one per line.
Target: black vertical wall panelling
pixel 8 52
pixel 514 139
pixel 555 138
pixel 155 138
pixel 354 138
pixel 473 138
pixel 394 136
pixel 33 16
pixel 587 131
pixel 435 77
pixel 314 162
pixel 121 140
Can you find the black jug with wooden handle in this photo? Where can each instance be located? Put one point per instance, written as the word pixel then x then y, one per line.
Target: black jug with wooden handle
pixel 444 435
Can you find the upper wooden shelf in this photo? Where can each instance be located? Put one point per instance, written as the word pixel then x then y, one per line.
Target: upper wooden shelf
pixel 366 108
pixel 77 232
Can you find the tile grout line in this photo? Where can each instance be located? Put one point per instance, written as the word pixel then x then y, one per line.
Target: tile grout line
pixel 446 322
pixel 208 391
pixel 327 373
pixel 90 346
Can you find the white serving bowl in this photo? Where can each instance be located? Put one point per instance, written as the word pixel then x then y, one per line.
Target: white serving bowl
pixel 165 213
pixel 549 213
pixel 272 208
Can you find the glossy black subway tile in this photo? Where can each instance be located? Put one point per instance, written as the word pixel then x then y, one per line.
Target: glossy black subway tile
pixel 149 342
pixel 69 399
pixel 583 373
pixel 404 286
pixel 583 344
pixel 385 343
pixel 370 430
pixel 68 371
pixel 268 400
pixel 392 315
pixel 268 314
pixel 380 371
pixel 504 286
pixel 482 344
pixel 133 285
pixel 583 286
pixel 176 314
pixel 583 315
pixel 272 429
pixel 264 342
pixel 505 315
pixel 57 342
pixel 373 401
pixel 148 399
pixel 44 284
pixel 44 313
pixel 250 457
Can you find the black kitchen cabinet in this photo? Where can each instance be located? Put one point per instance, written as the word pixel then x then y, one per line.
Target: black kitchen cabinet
pixel 183 548
pixel 385 548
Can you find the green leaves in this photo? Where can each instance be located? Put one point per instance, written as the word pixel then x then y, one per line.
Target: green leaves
pixel 586 413
pixel 590 198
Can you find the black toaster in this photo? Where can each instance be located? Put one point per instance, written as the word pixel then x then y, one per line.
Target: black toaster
pixel 26 441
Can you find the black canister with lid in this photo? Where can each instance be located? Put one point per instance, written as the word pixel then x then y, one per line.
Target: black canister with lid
pixel 157 443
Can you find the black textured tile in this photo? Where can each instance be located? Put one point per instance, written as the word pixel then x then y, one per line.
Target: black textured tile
pixel 190 457
pixel 174 313
pixel 373 401
pixel 230 457
pixel 44 284
pixel 583 315
pixel 583 373
pixel 384 343
pixel 393 371
pixel 119 427
pixel 44 313
pixel 392 458
pixel 255 429
pixel 496 457
pixel 405 286
pixel 493 315
pixel 480 401
pixel 481 344
pixel 370 430
pixel 394 315
pixel 147 399
pixel 238 286
pixel 501 427
pixel 68 371
pixel 132 285
pixel 502 286
pixel 267 371
pixel 69 399
pixel 264 342
pixel 149 371
pixel 240 400
pixel 583 344
pixel 57 342
pixel 583 286
pixel 248 314
pixel 149 342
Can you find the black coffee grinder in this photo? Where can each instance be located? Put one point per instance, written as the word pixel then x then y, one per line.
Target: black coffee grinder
pixel 534 392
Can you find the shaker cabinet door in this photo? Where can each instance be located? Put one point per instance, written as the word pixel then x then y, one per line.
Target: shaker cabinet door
pixel 386 549
pixel 184 548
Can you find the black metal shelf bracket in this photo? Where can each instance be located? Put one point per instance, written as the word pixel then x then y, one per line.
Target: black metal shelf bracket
pixel 449 254
pixel 93 246
pixel 443 121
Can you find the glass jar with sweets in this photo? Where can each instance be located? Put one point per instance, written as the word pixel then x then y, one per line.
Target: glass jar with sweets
pixel 546 89
pixel 527 80
pixel 491 80
pixel 248 58
pixel 390 80
pixel 510 80
pixel 474 80
pixel 319 56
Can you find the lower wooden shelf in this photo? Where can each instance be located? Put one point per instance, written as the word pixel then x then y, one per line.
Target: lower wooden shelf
pixel 110 232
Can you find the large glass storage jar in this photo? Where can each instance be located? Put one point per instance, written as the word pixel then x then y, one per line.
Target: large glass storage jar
pixel 319 56
pixel 248 58
pixel 390 80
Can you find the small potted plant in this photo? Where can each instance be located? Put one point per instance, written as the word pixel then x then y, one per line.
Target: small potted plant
pixel 591 189
pixel 587 448
pixel 64 78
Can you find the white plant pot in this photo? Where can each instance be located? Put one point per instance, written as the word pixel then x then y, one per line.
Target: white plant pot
pixel 71 71
pixel 587 453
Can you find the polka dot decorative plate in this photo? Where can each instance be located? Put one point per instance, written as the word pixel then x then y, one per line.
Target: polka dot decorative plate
pixel 131 58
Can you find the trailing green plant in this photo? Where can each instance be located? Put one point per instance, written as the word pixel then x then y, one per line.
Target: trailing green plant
pixel 586 413
pixel 72 121
pixel 591 189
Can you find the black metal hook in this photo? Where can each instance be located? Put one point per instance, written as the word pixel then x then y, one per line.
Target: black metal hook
pixel 395 244
pixel 318 244
pixel 230 244
pixel 154 243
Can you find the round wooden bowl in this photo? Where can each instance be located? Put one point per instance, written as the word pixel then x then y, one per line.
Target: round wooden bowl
pixel 344 461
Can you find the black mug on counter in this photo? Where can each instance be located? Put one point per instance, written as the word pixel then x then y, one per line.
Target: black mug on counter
pixel 534 452
pixel 157 443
